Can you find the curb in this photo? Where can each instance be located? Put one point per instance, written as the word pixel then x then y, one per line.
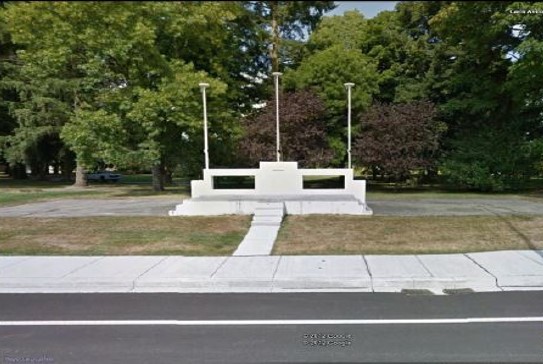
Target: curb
pixel 249 285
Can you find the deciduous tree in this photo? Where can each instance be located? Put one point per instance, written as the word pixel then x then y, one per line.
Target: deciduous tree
pixel 303 133
pixel 398 139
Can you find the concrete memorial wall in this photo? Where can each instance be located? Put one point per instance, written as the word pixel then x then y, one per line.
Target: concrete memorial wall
pixel 276 182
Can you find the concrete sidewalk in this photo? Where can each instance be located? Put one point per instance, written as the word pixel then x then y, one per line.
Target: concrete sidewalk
pixel 490 271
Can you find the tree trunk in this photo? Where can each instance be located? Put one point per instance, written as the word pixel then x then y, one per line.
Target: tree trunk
pixel 431 175
pixel 274 12
pixel 18 171
pixel 43 171
pixel 158 181
pixel 80 176
pixel 168 176
pixel 67 167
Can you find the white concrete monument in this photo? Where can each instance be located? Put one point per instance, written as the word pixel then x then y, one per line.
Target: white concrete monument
pixel 275 184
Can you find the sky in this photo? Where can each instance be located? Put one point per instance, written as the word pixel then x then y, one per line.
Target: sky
pixel 368 8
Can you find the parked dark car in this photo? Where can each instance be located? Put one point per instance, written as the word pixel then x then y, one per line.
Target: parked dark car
pixel 103 176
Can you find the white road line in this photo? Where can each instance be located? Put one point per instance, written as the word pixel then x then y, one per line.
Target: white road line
pixel 270 322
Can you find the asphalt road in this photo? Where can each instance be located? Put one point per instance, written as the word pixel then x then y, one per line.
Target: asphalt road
pixel 159 206
pixel 217 328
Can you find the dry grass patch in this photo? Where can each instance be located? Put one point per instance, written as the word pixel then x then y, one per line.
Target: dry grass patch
pixel 122 235
pixel 326 234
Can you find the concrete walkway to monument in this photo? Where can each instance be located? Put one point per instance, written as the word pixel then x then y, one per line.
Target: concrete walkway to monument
pixel 488 271
pixel 264 229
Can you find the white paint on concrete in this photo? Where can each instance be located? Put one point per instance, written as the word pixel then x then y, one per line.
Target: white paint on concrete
pixel 279 178
pixel 294 205
pixel 438 321
pixel 281 181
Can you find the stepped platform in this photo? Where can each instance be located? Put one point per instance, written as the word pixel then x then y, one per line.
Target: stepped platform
pixel 294 205
pixel 275 182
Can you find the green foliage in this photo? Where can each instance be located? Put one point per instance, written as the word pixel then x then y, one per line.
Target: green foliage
pixel 170 118
pixel 282 22
pixel 348 30
pixel 130 95
pixel 493 106
pixel 493 160
pixel 116 82
pixel 326 71
pixel 95 135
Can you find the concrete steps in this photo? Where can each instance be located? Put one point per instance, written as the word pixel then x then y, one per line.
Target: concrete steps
pixel 268 214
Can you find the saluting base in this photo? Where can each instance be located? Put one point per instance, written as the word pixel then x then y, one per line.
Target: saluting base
pixel 275 182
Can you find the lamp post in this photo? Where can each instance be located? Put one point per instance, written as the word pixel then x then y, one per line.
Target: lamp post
pixel 278 140
pixel 206 153
pixel 349 85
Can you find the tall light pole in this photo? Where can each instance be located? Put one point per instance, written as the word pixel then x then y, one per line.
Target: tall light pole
pixel 203 86
pixel 349 85
pixel 278 140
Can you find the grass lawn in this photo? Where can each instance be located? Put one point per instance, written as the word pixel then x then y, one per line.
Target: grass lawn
pixel 122 235
pixel 327 234
pixel 16 192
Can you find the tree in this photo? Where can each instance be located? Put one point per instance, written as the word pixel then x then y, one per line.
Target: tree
pixel 171 118
pixel 303 134
pixel 72 73
pixel 224 39
pixel 348 30
pixel 286 20
pixel 397 139
pixel 325 72
pixel 67 61
pixel 493 106
pixel 7 122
